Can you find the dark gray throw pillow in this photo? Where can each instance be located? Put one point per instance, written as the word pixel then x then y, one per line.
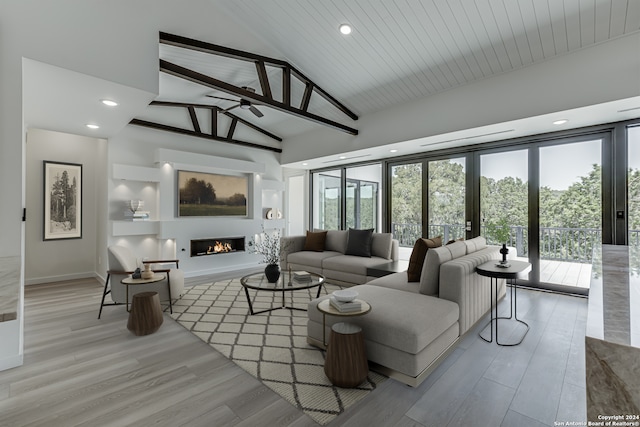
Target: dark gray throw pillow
pixel 359 242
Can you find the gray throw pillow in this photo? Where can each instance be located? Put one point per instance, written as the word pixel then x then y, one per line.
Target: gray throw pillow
pixel 381 245
pixel 359 242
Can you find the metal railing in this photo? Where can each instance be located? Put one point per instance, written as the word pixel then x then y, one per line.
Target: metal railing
pixel 556 243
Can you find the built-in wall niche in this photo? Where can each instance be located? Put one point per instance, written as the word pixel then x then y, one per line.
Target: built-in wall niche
pixel 216 246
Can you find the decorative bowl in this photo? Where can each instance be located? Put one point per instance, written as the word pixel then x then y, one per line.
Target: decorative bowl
pixel 345 295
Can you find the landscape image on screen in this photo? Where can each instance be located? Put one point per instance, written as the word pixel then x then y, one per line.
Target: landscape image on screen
pixel 211 194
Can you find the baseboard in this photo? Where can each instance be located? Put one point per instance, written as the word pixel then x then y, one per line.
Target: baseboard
pixel 11 362
pixel 61 278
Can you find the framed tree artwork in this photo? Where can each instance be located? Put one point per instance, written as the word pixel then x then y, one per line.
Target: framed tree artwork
pixel 212 194
pixel 62 201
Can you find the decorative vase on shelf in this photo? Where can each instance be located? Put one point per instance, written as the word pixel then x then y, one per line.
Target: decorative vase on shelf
pixel 272 273
pixel 504 251
pixel 147 273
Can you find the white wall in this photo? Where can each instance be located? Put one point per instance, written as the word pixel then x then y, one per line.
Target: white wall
pixel 116 41
pixel 54 260
pixel 139 147
pixel 606 72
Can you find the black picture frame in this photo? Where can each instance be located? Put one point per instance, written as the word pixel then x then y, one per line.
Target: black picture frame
pixel 62 201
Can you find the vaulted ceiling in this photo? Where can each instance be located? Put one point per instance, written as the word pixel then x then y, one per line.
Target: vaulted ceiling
pixel 399 51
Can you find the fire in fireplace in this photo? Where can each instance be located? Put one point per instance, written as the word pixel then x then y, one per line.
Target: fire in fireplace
pixel 217 245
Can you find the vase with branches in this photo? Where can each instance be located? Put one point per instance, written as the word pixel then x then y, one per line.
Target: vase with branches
pixel 267 244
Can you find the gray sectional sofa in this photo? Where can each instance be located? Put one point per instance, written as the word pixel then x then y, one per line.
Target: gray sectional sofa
pixel 412 326
pixel 333 262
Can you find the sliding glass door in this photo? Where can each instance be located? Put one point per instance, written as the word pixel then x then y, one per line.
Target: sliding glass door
pixel 571 211
pixel 362 197
pixel 405 190
pixel 327 200
pixel 633 189
pixel 504 192
pixel 446 200
pixel 348 197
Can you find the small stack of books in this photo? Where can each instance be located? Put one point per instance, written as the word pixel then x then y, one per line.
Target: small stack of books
pixel 137 215
pixel 301 276
pixel 345 307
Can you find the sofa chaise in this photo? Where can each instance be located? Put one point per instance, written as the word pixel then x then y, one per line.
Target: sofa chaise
pixel 412 326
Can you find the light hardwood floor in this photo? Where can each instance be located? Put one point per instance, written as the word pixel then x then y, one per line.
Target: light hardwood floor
pixel 79 370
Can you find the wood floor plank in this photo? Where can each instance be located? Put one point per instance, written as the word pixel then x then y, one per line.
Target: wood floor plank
pixel 83 371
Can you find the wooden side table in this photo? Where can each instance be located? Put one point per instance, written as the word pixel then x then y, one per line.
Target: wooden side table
pixel 145 316
pixel 130 281
pixel 346 360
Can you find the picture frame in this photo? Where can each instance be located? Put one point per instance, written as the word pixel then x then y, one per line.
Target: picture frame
pixel 205 194
pixel 62 191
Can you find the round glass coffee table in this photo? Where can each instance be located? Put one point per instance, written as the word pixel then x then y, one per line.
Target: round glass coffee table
pixel 286 283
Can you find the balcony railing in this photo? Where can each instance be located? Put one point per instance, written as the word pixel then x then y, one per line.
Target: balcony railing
pixel 556 243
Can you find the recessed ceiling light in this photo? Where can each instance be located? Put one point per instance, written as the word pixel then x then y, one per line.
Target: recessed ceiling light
pixel 342 157
pixel 560 122
pixel 393 150
pixel 345 29
pixel 92 126
pixel 109 102
pixel 305 164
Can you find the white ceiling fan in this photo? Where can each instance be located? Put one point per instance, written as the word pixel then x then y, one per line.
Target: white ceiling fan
pixel 245 104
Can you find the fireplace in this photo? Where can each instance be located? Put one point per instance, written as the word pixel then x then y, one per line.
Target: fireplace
pixel 216 246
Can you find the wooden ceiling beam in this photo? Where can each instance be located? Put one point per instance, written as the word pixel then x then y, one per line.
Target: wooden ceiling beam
pixel 264 79
pixel 214 111
pixel 232 128
pixel 167 128
pixel 194 118
pixel 286 86
pixel 210 48
pixel 213 83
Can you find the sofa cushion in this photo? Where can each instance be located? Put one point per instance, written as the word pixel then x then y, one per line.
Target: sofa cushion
pixel 351 263
pixel 313 259
pixel 336 241
pixel 315 241
pixel 419 252
pixel 359 242
pixel 475 244
pixel 429 278
pixel 381 245
pixel 396 281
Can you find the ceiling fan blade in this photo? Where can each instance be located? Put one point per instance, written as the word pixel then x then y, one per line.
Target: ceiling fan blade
pixel 255 111
pixel 221 97
pixel 230 108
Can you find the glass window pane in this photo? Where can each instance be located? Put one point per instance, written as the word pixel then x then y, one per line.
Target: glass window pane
pixel 447 188
pixel 504 207
pixel 326 200
pixel 363 198
pixel 570 211
pixel 406 205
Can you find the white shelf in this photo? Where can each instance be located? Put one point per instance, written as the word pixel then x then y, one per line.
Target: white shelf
pixel 136 173
pixel 134 228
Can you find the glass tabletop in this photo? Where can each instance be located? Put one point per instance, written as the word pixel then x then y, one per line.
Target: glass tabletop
pixel 287 281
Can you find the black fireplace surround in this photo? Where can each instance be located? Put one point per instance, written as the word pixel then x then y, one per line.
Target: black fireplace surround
pixel 216 246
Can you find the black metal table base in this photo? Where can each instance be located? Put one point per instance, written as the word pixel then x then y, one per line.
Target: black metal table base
pixel 283 306
pixel 513 315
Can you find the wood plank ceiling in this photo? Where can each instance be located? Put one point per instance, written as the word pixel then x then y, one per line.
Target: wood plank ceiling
pixel 401 50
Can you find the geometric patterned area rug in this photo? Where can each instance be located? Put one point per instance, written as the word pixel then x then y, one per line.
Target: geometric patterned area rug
pixel 271 346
